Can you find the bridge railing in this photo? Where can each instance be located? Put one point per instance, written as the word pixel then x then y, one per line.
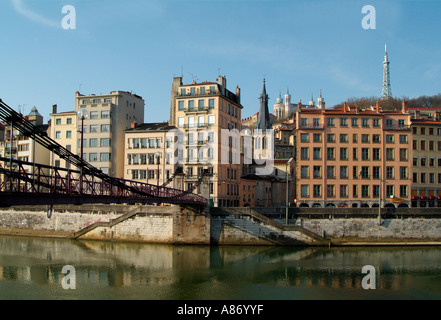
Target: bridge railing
pixel 25 177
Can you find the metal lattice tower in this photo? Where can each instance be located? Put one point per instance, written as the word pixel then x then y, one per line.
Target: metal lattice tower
pixel 386 92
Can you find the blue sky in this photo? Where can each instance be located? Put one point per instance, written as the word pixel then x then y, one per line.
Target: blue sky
pixel 140 45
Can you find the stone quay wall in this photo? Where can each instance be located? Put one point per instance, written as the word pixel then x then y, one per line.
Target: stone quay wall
pixel 227 226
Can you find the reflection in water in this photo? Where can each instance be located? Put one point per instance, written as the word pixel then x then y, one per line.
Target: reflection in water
pixel 30 268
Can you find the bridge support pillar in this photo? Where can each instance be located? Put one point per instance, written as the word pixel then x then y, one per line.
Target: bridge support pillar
pixel 191 225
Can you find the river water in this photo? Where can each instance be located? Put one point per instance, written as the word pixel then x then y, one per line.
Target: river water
pixel 31 268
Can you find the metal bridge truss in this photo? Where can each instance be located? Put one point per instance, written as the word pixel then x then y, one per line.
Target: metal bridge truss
pixel 29 183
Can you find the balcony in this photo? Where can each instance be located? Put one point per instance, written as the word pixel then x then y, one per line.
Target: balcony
pixel 396 128
pixel 310 126
pixel 196 109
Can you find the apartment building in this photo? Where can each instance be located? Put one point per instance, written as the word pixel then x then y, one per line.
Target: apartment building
pixel 200 111
pixel 426 163
pixel 20 147
pixel 63 130
pixel 146 157
pixel 101 120
pixel 348 157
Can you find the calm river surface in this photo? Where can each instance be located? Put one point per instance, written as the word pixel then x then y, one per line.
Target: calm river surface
pixel 31 268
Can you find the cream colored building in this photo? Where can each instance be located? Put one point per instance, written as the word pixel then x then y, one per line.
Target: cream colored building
pixel 25 148
pixel 146 158
pixel 201 111
pixel 63 130
pixel 103 128
pixel 426 163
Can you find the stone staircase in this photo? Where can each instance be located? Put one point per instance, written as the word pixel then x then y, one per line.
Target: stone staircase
pixel 108 224
pixel 317 239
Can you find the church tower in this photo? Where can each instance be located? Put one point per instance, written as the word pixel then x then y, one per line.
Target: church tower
pixel 263 119
pixel 387 92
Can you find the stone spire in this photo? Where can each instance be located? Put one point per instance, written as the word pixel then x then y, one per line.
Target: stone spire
pixel 263 119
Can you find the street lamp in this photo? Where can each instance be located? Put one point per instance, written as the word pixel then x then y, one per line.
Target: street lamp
pixel 287 188
pixel 158 157
pixel 82 115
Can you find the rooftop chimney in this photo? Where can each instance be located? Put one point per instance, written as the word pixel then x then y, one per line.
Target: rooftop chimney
pixel 345 107
pixel 378 107
pixel 133 125
pixel 404 107
pixel 54 108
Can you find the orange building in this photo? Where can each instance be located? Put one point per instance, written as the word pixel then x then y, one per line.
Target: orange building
pixel 348 157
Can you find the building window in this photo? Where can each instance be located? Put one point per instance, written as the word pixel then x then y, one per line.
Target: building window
pixel 105 142
pixel 375 191
pixel 354 122
pixel 105 156
pixel 355 191
pixel 211 120
pixel 376 123
pixel 365 191
pixel 94 157
pixel 304 191
pixel 181 121
pixel 343 153
pixel 58 135
pixel 403 172
pixel 343 122
pixel 389 138
pixel 403 191
pixel 317 190
pixel 304 172
pixel 317 137
pixel 376 154
pixel 390 154
pixel 376 138
pixel 365 123
pixel 343 191
pixel 330 190
pixel 343 138
pixel 344 172
pixel 93 142
pixel 317 153
pixel 389 172
pixel 304 137
pixel 330 154
pixel 390 191
pixel 105 128
pixel 58 121
pixel 403 155
pixel 331 137
pixel 68 134
pixel 180 105
pixel 365 154
pixel 135 143
pixel 317 174
pixel 330 122
pixel 105 114
pixel 365 172
pixel 93 115
pixel 375 172
pixel 403 138
pixel 304 153
pixel 423 161
pixel 316 122
pixel 330 172
pixel 365 138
